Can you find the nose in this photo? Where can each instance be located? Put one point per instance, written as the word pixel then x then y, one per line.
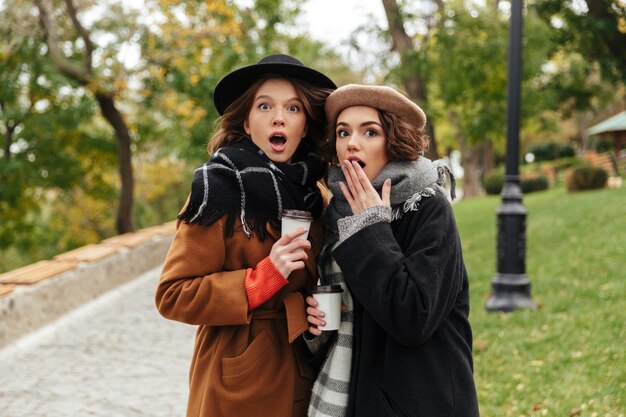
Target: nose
pixel 279 119
pixel 353 142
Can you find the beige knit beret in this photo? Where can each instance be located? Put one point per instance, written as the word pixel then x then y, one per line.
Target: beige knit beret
pixel 376 96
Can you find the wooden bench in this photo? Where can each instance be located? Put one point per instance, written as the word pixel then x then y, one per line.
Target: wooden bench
pixel 34 273
pixel 6 288
pixel 42 270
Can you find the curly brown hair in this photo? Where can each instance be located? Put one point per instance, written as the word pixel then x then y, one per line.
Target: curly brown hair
pixel 229 127
pixel 405 141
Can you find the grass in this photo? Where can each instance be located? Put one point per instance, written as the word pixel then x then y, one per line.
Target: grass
pixel 567 357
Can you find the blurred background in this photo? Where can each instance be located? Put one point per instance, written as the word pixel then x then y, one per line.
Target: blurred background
pixel 106 108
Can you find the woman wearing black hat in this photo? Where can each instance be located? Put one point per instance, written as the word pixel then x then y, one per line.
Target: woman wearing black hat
pixel 228 270
pixel 404 345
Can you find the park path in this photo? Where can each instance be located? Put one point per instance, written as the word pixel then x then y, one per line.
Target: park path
pixel 114 357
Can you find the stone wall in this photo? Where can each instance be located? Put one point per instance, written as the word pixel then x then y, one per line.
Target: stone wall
pixel 38 294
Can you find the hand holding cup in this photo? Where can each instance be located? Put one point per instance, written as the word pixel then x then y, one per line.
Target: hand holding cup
pixel 324 311
pixel 289 252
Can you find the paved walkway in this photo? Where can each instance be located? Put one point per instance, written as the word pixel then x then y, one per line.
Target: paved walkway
pixel 114 357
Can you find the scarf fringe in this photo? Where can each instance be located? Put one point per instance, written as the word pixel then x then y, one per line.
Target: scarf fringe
pixel 443 169
pixel 239 183
pixel 252 224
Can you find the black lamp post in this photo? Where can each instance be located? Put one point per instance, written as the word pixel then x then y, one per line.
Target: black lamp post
pixel 511 287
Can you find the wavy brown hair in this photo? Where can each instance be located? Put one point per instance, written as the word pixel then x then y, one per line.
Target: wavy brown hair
pixel 405 141
pixel 229 127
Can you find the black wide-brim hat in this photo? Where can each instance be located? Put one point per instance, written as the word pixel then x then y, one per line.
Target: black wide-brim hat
pixel 233 85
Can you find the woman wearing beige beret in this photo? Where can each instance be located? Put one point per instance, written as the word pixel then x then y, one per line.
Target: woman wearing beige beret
pixel 404 346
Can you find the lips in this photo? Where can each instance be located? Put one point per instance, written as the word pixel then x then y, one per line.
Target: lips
pixel 358 160
pixel 278 141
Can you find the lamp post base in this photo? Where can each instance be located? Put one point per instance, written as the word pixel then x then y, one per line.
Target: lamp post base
pixel 510 292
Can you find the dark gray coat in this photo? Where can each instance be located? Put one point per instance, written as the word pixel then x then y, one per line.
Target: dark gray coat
pixel 412 339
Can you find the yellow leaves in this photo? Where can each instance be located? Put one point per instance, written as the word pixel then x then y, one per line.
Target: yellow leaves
pixel 194 79
pixel 119 84
pixel 90 219
pixel 183 107
pixel 155 178
pixel 219 7
pixel 158 73
pixel 621 24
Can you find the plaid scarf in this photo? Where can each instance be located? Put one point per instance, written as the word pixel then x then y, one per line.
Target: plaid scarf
pixel 241 182
pixel 411 181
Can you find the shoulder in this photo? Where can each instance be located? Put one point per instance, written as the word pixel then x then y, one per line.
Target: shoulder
pixel 433 208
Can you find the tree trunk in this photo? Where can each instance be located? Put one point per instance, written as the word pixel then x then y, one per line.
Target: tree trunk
pixel 470 161
pixel 8 135
pixel 7 145
pixel 124 221
pixel 411 80
pixel 489 160
pixel 83 75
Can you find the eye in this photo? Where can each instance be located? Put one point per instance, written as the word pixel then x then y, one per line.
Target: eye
pixel 342 133
pixel 264 106
pixel 371 133
pixel 293 108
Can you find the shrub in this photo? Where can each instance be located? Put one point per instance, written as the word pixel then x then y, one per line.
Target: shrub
pixel 549 151
pixel 533 182
pixel 602 144
pixel 586 178
pixel 493 181
pixel 529 182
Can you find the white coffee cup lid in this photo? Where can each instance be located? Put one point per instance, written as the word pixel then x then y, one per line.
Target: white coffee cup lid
pixel 297 214
pixel 327 289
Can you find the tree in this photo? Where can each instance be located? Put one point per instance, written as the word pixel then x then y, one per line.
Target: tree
pixel 195 44
pixel 103 81
pixel 46 147
pixel 411 59
pixel 468 61
pixel 595 29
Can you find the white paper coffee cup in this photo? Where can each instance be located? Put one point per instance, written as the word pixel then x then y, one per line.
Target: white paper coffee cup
pixel 292 219
pixel 328 298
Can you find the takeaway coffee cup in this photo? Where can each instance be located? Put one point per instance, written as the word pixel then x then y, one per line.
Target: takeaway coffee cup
pixel 328 298
pixel 296 218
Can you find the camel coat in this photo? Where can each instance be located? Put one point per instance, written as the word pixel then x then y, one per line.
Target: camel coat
pixel 244 363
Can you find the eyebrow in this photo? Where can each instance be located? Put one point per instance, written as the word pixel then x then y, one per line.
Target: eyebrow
pixel 266 97
pixel 368 123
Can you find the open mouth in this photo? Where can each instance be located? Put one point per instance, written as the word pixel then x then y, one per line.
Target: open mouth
pixel 278 143
pixel 358 161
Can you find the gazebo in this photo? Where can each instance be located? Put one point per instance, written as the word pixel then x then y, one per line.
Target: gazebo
pixel 614 127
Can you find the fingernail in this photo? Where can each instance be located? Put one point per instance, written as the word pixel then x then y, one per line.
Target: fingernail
pixel 346 163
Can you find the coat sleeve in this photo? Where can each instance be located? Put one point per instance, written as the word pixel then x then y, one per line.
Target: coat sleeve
pixel 193 288
pixel 408 290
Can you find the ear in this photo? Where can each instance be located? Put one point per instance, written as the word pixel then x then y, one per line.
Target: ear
pixel 306 130
pixel 246 127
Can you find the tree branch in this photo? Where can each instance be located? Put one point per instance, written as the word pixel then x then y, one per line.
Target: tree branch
pixel 51 39
pixel 8 135
pixel 84 34
pixel 401 40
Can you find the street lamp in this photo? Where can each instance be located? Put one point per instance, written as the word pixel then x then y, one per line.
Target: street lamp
pixel 511 287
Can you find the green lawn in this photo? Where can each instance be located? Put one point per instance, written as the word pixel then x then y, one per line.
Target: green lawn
pixel 568 357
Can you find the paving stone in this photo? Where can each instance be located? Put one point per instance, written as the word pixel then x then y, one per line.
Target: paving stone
pixel 114 357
